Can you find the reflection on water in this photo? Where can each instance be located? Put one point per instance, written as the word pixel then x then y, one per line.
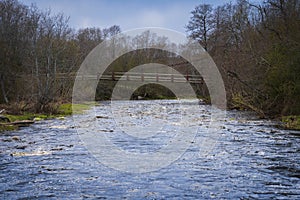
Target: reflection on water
pixel 252 160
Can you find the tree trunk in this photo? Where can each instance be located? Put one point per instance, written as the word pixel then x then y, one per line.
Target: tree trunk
pixel 3 89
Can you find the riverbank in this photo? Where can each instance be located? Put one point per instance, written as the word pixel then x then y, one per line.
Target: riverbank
pixel 14 121
pixel 291 122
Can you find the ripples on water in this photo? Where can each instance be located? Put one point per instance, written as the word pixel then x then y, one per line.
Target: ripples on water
pixel 251 160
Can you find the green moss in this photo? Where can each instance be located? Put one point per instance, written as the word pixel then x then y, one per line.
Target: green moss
pixel 7 127
pixel 63 110
pixel 69 108
pixel 291 122
pixel 29 116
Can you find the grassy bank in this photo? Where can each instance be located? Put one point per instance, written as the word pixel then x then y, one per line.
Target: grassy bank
pixel 62 110
pixel 291 122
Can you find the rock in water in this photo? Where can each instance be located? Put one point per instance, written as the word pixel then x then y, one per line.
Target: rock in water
pixel 16 138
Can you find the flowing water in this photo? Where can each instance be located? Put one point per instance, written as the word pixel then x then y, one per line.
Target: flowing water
pixel 251 159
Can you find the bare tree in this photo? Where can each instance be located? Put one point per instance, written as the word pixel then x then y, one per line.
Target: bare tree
pixel 200 24
pixel 13 35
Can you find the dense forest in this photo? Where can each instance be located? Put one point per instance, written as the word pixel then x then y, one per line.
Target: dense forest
pixel 255 46
pixel 257 49
pixel 38 49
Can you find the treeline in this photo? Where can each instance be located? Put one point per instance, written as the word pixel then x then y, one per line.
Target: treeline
pixel 257 48
pixel 35 48
pixel 40 55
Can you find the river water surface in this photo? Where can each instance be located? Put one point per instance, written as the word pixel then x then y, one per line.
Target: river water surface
pixel 251 159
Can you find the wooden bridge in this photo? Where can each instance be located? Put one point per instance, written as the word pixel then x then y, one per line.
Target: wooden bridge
pixel 144 77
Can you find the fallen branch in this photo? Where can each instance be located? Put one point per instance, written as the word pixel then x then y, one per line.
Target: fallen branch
pixel 22 123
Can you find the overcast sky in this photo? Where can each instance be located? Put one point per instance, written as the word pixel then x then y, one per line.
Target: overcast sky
pixel 128 14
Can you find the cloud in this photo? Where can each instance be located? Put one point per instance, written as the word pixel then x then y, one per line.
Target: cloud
pixel 85 22
pixel 151 18
pixel 172 16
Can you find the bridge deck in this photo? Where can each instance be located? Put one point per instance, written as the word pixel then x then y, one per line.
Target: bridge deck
pixel 144 77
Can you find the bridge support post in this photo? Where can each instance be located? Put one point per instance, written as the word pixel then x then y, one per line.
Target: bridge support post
pixel 142 77
pixel 113 76
pixel 187 77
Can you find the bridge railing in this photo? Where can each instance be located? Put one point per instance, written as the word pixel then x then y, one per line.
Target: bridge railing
pixel 133 76
pixel 152 77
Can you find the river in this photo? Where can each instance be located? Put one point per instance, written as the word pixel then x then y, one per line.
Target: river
pixel 251 159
